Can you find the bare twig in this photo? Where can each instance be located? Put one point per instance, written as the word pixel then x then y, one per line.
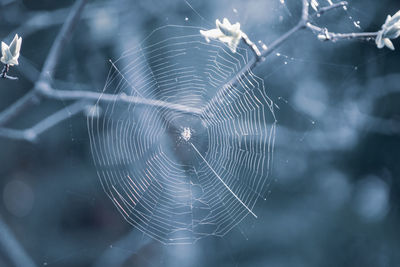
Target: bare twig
pixel 14 134
pixel 12 249
pixel 32 134
pixel 6 68
pixel 87 97
pixel 303 23
pixel 39 20
pixel 331 36
pixel 4 74
pixel 48 92
pixel 118 253
pixel 58 117
pixel 253 62
pixel 60 41
pixel 49 64
pixel 43 88
pixel 322 10
pixel 16 108
pixel 300 25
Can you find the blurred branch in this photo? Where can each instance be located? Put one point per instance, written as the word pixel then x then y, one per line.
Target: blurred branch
pixel 331 36
pixel 4 74
pixel 322 10
pixel 43 89
pixel 11 247
pixel 39 20
pixel 49 65
pixel 300 25
pixel 253 62
pixel 118 253
pixel 28 70
pixel 31 134
pixel 47 91
pixel 61 40
pixel 303 23
pixel 57 117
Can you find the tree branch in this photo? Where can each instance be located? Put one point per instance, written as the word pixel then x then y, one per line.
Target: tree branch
pixel 4 74
pixel 12 249
pixel 49 92
pixel 322 10
pixel 253 62
pixel 49 64
pixel 303 23
pixel 118 253
pixel 32 134
pixel 331 36
pixel 43 89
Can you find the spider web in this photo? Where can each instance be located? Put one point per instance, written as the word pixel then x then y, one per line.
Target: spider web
pixel 181 150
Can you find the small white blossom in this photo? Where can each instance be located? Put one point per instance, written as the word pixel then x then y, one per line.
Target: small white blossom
pixel 322 37
pixel 225 32
pixel 390 30
pixel 10 54
pixel 315 5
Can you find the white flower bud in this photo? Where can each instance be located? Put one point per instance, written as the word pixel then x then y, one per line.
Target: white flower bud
pixel 390 30
pixel 322 37
pixel 10 54
pixel 314 5
pixel 225 32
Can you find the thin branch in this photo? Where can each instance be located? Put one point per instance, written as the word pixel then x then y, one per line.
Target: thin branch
pixel 4 74
pixel 17 107
pixel 58 117
pixel 48 92
pixel 12 249
pixel 121 250
pixel 84 98
pixel 271 48
pixel 304 11
pixel 39 20
pixel 300 25
pixel 20 135
pixel 43 89
pixel 32 134
pixel 331 36
pixel 325 35
pixel 61 40
pixel 49 65
pixel 303 23
pixel 322 10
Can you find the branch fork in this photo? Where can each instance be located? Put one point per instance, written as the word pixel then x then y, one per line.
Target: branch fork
pixel 226 32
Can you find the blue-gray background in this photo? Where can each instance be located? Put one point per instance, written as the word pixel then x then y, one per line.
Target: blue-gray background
pixel 334 199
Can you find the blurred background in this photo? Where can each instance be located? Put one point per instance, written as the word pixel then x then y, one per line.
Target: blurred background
pixel 334 199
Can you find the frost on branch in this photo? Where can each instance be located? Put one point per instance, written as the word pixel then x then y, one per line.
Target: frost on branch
pixel 226 33
pixel 390 30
